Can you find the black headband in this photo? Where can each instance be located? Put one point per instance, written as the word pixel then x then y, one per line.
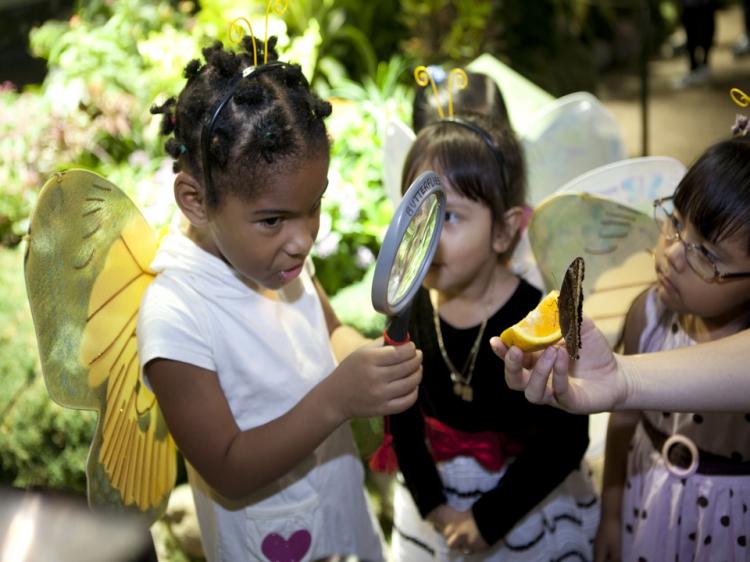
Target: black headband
pixel 479 131
pixel 213 115
pixel 486 137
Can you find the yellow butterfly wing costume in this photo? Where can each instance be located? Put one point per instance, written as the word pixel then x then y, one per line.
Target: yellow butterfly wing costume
pixel 87 267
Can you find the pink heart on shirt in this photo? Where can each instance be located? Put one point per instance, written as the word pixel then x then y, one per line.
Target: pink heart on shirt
pixel 278 549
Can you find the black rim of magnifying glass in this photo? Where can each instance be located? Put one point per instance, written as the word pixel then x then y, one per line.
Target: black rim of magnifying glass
pixel 427 184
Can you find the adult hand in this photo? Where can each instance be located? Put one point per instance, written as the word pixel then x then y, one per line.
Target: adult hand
pixel 593 383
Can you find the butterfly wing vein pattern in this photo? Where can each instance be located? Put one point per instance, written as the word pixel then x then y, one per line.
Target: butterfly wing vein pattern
pixel 87 267
pixel 135 445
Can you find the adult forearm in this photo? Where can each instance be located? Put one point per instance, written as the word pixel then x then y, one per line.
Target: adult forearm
pixel 705 377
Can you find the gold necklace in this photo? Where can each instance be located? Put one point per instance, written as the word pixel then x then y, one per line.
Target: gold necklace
pixel 461 380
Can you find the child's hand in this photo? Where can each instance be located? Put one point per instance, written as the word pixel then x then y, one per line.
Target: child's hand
pixel 376 380
pixel 442 516
pixel 462 534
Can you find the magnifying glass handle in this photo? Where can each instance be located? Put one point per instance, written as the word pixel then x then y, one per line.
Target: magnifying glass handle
pixel 397 330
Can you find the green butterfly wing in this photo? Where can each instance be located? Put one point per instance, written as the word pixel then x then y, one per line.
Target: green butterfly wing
pixel 87 266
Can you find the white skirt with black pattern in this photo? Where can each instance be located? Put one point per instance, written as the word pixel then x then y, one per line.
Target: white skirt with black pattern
pixel 561 527
pixel 667 516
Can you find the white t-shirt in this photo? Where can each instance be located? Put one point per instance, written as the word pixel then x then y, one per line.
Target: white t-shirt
pixel 267 354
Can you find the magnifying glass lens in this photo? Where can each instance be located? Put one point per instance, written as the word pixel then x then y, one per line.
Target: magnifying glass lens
pixel 406 253
pixel 413 249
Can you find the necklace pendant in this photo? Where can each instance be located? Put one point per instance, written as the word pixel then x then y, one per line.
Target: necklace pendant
pixel 463 390
pixel 458 388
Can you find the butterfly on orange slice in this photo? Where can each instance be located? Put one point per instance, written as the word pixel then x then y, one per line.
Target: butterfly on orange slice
pixel 557 315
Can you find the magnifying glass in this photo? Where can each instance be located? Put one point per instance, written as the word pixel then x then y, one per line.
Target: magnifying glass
pixel 406 253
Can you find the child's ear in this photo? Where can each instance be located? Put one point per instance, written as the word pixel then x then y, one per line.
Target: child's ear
pixel 190 198
pixel 504 237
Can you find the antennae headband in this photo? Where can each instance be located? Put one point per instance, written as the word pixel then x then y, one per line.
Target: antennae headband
pixel 482 133
pixel 456 78
pixel 486 138
pixel 213 114
pixel 741 123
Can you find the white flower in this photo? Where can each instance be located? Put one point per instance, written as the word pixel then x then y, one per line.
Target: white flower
pixel 326 224
pixel 364 257
pixel 349 207
pixel 327 245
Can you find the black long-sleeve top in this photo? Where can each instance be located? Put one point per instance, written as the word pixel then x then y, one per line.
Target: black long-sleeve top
pixel 554 441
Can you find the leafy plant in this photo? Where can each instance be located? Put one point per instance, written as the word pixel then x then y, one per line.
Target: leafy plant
pixel 107 65
pixel 440 30
pixel 356 210
pixel 350 36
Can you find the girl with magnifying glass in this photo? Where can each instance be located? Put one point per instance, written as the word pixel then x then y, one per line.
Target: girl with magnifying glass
pixel 237 338
pixel 484 474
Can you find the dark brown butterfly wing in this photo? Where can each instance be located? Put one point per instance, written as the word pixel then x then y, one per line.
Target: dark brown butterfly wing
pixel 570 306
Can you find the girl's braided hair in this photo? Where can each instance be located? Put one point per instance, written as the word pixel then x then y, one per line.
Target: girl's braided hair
pixel 270 122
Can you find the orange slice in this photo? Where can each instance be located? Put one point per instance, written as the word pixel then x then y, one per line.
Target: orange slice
pixel 539 329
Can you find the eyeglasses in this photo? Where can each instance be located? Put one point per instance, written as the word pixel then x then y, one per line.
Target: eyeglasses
pixel 697 257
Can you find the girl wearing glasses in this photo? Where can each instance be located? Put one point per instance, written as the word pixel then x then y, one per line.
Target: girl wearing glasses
pixel 677 485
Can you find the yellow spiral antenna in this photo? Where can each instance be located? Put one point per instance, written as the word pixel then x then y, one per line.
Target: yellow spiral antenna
pixel 423 78
pixel 739 97
pixel 278 7
pixel 237 32
pixel 239 27
pixel 456 78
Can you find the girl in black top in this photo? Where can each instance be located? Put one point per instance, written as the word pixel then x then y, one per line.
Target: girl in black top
pixel 485 474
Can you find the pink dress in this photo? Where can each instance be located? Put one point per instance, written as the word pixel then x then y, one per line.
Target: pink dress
pixel 673 509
